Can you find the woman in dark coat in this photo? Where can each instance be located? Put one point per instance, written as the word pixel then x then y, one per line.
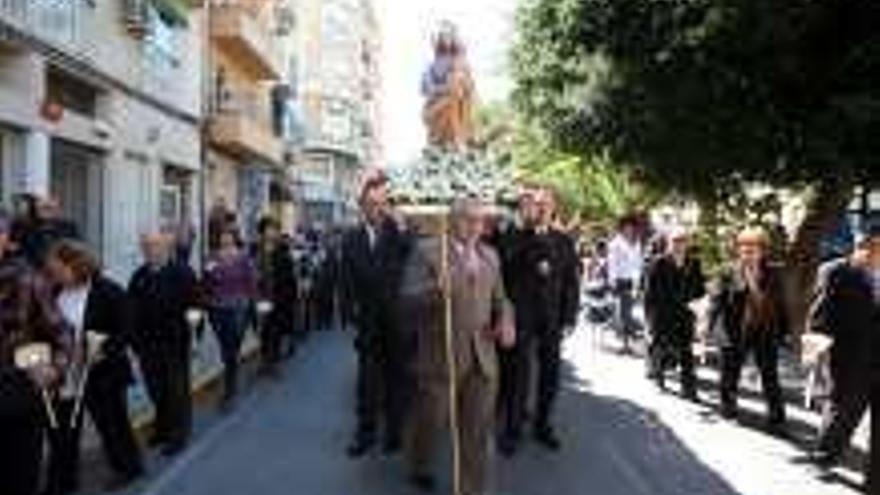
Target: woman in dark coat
pixel 277 284
pixel 22 416
pixel 749 308
pixel 92 303
pixel 675 279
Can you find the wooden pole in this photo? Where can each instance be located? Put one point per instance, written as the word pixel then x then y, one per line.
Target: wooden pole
pixel 446 285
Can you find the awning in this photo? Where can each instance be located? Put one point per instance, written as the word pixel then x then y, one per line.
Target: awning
pixel 175 11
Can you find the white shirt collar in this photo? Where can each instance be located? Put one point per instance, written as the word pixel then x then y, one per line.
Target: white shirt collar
pixel 72 303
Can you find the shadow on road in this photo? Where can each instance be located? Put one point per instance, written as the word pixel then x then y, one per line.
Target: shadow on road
pixel 613 446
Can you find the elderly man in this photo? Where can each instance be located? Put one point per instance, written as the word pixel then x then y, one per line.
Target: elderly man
pixel 466 288
pixel 161 292
pixel 846 309
pixel 675 279
pixel 749 306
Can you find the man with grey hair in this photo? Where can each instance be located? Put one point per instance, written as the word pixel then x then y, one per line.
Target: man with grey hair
pixel 467 288
pixel 161 292
pixel 846 308
pixel 675 279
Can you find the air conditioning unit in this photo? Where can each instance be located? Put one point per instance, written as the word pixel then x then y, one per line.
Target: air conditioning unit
pixel 136 17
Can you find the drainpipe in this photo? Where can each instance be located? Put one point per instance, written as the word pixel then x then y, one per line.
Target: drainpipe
pixel 205 129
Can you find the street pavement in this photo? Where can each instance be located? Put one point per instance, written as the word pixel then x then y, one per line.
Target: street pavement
pixel 621 437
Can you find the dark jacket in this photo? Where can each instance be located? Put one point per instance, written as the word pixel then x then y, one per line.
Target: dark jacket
pixel 108 312
pixel 669 290
pixel 159 299
pixel 728 303
pixel 277 280
pixel 844 309
pixel 542 272
pixel 371 277
pixel 22 285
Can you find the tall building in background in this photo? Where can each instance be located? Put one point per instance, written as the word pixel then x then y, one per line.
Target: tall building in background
pixel 100 106
pixel 246 67
pixel 338 104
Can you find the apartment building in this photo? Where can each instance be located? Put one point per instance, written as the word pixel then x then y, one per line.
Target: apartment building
pixel 338 101
pixel 100 106
pixel 247 65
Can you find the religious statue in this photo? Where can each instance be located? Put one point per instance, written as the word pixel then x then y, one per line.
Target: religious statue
pixel 449 92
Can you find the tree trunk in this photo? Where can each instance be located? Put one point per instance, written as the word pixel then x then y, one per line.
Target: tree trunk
pixel 828 202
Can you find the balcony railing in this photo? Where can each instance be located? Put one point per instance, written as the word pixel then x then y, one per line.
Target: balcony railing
pixel 54 21
pixel 246 103
pixel 241 122
pixel 238 26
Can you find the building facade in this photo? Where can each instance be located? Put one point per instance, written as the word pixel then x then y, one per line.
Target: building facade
pixel 338 102
pixel 100 105
pixel 245 107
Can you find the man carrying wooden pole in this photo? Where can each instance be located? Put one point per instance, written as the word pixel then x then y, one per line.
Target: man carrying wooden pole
pixel 456 306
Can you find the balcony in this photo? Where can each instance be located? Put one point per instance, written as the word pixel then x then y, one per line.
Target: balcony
pixel 56 22
pixel 237 29
pixel 241 125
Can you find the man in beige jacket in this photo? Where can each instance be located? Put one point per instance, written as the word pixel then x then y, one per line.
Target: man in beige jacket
pixel 480 320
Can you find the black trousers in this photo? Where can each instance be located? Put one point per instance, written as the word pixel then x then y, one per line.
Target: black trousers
pixel 382 385
pixel 21 435
pixel 167 377
pixel 672 346
pixel 271 332
pixel 539 342
pixel 765 349
pixel 628 326
pixel 872 482
pixel 106 404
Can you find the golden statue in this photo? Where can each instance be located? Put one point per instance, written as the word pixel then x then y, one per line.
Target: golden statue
pixel 449 92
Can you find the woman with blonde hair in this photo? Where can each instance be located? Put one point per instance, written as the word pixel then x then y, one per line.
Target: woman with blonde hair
pixel 749 309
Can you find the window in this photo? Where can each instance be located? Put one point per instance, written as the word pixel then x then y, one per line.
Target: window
pixel 161 45
pixel 72 93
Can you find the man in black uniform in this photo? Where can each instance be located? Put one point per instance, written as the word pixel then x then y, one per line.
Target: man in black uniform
pixel 847 309
pixel 543 276
pixel 373 255
pixel 161 292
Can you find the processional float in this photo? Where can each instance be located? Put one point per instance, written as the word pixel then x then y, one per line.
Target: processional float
pixel 449 167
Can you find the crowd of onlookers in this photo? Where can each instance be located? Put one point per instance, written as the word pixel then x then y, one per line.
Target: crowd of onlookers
pixel 70 334
pixel 68 331
pixel 745 314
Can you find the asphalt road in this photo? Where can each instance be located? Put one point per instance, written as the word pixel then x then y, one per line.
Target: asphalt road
pixel 621 437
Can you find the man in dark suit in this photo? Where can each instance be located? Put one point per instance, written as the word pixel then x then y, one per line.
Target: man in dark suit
pixel 161 291
pixel 846 309
pixel 543 274
pixel 675 279
pixel 373 255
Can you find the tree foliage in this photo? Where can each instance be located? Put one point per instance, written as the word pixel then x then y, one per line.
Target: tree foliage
pixel 704 95
pixel 591 187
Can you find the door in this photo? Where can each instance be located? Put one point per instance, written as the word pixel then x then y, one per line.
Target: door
pixel 77 181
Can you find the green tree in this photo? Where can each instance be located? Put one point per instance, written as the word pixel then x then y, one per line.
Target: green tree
pixel 591 187
pixel 705 96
